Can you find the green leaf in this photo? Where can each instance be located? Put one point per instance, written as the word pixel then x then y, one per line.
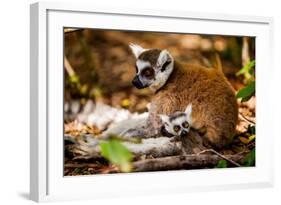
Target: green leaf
pixel 251 138
pixel 115 152
pixel 74 79
pixel 250 159
pixel 247 69
pixel 246 140
pixel 247 92
pixel 125 103
pixel 221 164
pixel 77 170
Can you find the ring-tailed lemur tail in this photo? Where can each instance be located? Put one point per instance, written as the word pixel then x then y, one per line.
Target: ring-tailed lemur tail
pixel 129 128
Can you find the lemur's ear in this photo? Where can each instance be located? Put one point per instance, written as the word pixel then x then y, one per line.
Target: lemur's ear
pixel 164 58
pixel 188 110
pixel 164 118
pixel 136 49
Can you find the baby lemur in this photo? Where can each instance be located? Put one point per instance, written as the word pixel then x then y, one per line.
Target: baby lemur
pixel 177 124
pixel 175 85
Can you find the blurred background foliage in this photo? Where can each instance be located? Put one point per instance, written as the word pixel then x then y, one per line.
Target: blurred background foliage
pixel 99 64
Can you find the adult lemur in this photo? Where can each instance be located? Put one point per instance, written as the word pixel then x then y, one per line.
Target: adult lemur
pixel 175 85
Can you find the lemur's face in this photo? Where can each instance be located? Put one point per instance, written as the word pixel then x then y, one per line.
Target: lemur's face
pixel 153 67
pixel 178 123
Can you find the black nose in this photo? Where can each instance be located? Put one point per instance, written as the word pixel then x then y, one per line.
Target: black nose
pixel 137 83
pixel 183 133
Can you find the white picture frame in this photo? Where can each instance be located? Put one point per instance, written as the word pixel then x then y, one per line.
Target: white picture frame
pixel 47 182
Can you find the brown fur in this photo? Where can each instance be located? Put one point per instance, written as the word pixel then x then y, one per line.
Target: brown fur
pixel 214 106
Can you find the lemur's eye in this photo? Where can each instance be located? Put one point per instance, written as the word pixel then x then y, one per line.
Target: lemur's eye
pixel 176 128
pixel 165 65
pixel 185 124
pixel 148 72
pixel 136 68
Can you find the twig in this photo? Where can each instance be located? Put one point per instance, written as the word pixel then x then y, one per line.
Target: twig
pixel 82 165
pixel 220 155
pixel 68 67
pixel 246 119
pixel 217 62
pixel 70 30
pixel 245 51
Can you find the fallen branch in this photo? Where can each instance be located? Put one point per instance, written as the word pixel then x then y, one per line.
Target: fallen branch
pixel 172 162
pixel 181 162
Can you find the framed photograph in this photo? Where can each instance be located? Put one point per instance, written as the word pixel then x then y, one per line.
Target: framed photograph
pixel 128 102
